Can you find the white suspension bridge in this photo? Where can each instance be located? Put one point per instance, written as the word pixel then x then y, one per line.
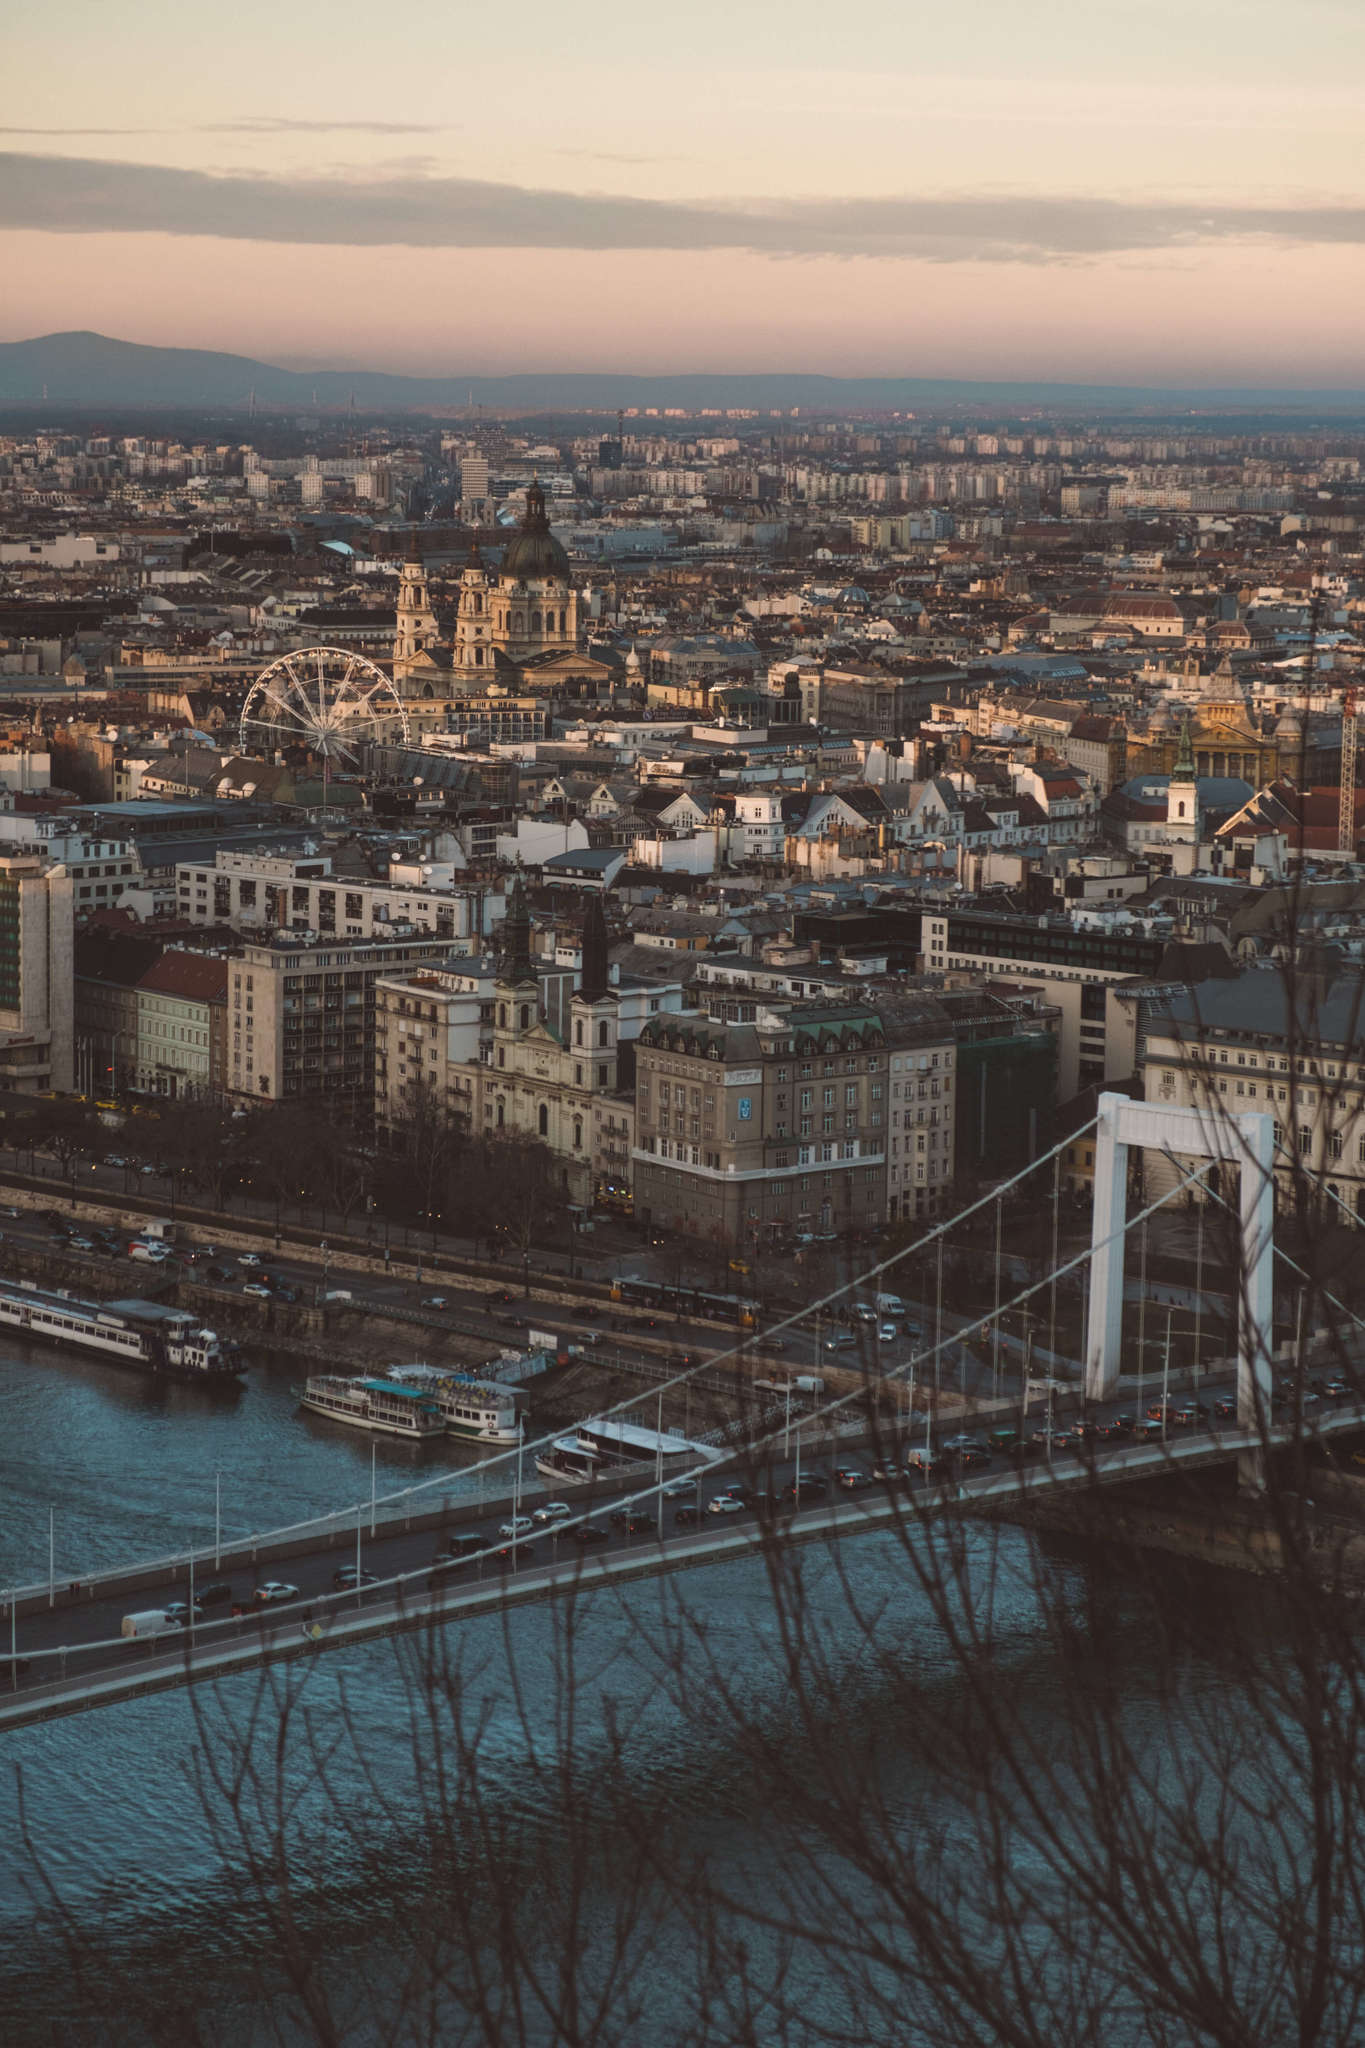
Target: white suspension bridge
pixel 42 1675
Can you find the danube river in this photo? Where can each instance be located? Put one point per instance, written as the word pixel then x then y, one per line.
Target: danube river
pixel 124 1837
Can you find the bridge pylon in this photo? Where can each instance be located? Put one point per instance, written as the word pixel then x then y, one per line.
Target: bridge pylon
pixel 1246 1142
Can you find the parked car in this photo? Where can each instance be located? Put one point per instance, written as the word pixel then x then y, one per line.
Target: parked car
pixel 273 1592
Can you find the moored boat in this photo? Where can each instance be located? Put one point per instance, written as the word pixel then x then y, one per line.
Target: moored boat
pixel 376 1404
pixel 147 1335
pixel 478 1409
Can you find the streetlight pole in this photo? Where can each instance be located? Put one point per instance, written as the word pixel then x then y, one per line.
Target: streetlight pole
pixel 995 1325
pixel 938 1318
pixel 374 1448
pixel 218 1519
pixel 1166 1378
pixel 52 1557
pixel 659 1464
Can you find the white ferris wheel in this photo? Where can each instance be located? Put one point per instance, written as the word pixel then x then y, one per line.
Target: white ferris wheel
pixel 324 700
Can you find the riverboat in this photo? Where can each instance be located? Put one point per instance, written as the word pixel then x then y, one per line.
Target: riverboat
pixel 606 1448
pixel 480 1410
pixel 377 1404
pixel 167 1342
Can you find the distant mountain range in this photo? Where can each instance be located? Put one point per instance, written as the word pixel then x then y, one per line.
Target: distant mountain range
pixel 78 371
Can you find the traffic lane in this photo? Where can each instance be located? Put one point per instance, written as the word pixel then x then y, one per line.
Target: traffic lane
pixel 413 1552
pixel 72 1622
pixel 413 1555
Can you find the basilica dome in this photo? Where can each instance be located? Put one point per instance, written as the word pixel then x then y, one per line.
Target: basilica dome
pixel 534 554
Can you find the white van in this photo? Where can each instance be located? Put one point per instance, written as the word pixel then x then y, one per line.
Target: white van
pixel 890 1305
pixel 153 1621
pixel 149 1254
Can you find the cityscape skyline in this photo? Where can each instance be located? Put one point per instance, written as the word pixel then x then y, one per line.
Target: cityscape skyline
pixel 982 196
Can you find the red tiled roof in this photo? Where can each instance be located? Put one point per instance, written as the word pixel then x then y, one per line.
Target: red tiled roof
pixel 194 977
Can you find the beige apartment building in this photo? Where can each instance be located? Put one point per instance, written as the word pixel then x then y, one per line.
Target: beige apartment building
pixel 431 1027
pixel 37 974
pixel 1225 1047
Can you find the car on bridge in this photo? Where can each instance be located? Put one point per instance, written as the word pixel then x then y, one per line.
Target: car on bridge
pixel 434 1301
pixel 687 1517
pixel 726 1504
pixel 926 1464
pixel 635 1521
pixel 552 1511
pixel 852 1478
pixel 181 1611
pixel 519 1525
pixel 588 1532
pixel 346 1578
pixel 257 1289
pixel 1190 1414
pixel 273 1592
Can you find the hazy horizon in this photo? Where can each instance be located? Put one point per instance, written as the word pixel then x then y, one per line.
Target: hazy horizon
pixel 1075 193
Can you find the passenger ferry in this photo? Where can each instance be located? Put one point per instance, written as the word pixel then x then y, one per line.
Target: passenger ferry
pixel 168 1342
pixel 373 1404
pixel 480 1409
pixel 608 1448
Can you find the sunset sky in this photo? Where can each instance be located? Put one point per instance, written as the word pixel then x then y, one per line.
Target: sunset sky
pixel 1158 191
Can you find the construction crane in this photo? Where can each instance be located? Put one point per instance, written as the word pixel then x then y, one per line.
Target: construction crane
pixel 1346 815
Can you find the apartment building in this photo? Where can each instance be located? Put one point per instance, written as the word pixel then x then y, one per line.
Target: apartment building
pixel 302 1015
pixel 431 1026
pixel 37 1036
pixel 275 892
pixel 182 1025
pixel 1225 1047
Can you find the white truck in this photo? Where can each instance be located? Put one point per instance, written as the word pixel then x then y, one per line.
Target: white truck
pixel 152 1621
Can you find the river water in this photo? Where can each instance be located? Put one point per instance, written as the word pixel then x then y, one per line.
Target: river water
pixel 118 1829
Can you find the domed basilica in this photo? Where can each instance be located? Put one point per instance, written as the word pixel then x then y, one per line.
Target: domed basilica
pixel 516 629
